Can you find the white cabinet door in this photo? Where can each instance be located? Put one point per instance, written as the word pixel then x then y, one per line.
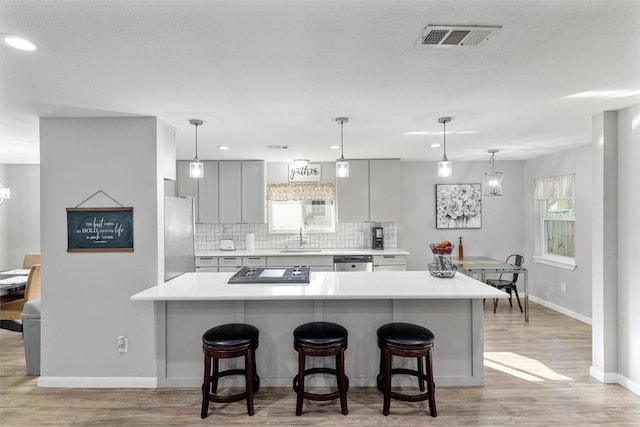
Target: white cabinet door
pixel 384 190
pixel 230 191
pixel 253 192
pixel 353 193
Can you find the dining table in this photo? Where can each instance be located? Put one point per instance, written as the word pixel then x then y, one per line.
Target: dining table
pixel 13 279
pixel 482 266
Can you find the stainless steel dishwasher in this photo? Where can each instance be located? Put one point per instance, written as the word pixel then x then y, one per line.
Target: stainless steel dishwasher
pixel 352 263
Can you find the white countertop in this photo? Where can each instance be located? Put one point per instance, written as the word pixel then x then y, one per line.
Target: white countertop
pixel 324 285
pixel 302 252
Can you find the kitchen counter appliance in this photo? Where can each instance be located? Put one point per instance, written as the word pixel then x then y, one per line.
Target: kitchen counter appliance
pixel 352 263
pixel 286 275
pixel 377 238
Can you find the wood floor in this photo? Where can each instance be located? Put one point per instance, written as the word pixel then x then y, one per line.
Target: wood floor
pixel 536 374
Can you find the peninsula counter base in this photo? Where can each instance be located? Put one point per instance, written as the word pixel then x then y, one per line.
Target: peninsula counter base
pixel 457 323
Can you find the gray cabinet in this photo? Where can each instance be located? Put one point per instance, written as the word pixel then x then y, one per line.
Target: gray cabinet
pixel 389 263
pixel 371 192
pixel 315 262
pixel 230 188
pixel 203 190
pixel 254 190
pixel 353 193
pixel 230 192
pixel 384 190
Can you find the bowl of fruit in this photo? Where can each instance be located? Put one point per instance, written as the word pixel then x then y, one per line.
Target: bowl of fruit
pixel 442 248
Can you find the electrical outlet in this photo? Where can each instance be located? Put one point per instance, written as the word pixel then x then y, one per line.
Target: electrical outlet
pixel 123 344
pixel 563 287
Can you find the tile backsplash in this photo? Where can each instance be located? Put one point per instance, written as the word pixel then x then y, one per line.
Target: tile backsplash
pixel 347 236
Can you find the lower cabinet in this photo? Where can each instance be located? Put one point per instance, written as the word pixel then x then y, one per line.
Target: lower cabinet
pixel 206 264
pixel 389 263
pixel 315 262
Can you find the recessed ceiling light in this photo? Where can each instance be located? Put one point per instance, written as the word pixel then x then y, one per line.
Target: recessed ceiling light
pixel 19 43
pixel 436 145
pixel 334 147
pixel 222 147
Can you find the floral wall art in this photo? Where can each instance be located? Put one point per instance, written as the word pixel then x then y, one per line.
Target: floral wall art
pixel 458 206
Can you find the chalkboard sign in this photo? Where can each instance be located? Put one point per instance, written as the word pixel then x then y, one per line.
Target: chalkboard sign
pixel 100 229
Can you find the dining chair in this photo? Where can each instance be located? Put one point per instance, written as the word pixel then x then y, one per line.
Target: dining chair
pixel 507 281
pixel 30 260
pixel 12 310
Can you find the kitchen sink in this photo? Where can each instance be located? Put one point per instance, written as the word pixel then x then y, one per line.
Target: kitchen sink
pixel 297 251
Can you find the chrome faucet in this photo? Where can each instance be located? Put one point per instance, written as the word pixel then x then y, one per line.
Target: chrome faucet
pixel 301 239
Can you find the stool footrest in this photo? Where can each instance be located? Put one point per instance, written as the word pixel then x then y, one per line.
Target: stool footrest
pixel 319 396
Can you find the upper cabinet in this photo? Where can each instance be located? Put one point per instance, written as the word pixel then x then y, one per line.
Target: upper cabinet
pixel 230 192
pixel 254 192
pixel 167 137
pixel 384 190
pixel 371 192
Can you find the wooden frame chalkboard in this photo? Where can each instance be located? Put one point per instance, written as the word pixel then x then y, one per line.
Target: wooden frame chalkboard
pixel 100 229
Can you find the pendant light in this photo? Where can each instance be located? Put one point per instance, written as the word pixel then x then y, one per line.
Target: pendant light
pixel 342 166
pixel 493 179
pixel 196 168
pixel 444 165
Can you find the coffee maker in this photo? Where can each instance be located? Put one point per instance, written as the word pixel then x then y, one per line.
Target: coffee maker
pixel 377 238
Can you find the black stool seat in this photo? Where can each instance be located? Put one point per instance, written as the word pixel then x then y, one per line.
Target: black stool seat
pixel 320 339
pixel 230 335
pixel 226 342
pixel 320 334
pixel 406 340
pixel 405 335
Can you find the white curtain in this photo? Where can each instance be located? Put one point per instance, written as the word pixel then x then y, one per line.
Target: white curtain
pixel 555 187
pixel 301 191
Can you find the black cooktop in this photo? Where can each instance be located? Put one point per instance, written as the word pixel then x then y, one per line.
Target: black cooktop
pixel 291 275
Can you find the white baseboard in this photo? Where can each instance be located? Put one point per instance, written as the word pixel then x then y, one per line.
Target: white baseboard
pixel 559 309
pixel 615 378
pixel 98 382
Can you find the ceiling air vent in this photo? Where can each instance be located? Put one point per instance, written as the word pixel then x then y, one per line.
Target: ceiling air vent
pixel 456 36
pixel 277 147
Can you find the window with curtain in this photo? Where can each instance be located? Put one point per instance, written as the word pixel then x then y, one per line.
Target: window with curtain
pixel 309 206
pixel 557 227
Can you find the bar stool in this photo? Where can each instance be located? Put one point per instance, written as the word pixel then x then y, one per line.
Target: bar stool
pixel 226 342
pixel 320 339
pixel 406 340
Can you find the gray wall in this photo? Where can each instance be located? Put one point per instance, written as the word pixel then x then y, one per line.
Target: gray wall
pixel 21 214
pixel 85 296
pixel 502 231
pixel 545 281
pixel 4 225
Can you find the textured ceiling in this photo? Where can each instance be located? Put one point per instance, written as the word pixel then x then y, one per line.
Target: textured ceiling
pixel 280 72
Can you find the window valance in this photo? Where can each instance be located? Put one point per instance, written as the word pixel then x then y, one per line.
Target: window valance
pixel 282 192
pixel 555 187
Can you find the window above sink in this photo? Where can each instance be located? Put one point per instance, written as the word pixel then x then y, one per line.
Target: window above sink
pixel 308 207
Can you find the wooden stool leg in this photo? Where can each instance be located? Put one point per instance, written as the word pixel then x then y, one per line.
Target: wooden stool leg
pixel 214 376
pixel 342 383
pixel 431 386
pixel 421 372
pixel 206 384
pixel 249 379
pixel 387 381
pixel 300 383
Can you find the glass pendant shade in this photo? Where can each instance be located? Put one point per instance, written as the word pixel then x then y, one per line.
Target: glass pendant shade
pixel 493 184
pixel 196 169
pixel 445 169
pixel 342 168
pixel 493 179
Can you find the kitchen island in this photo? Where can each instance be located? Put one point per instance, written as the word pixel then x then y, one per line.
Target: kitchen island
pixel 360 301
